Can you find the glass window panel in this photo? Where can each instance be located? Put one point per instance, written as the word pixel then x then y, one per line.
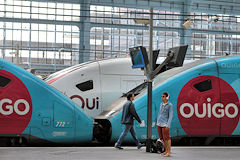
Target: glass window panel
pixel 10 2
pixel 16 35
pixel 50 27
pixel 85 86
pixel 67 18
pixel 24 53
pixel 51 5
pixel 35 16
pixel 51 17
pixel 60 5
pixel 67 38
pixel 26 3
pixel 9 14
pixel 1 10
pixel 42 4
pixel 4 81
pixel 16 25
pixel 42 27
pixel 42 16
pixel 42 36
pixel 76 12
pixel 17 9
pixel 50 37
pixel 35 10
pixel 34 26
pixel 51 11
pixel 76 6
pixel 60 11
pixel 9 34
pixel 67 28
pixel 59 27
pixel 35 4
pixel 59 18
pixel 25 15
pixel 43 10
pixel 17 15
pixel 75 29
pixel 1 35
pixel 59 37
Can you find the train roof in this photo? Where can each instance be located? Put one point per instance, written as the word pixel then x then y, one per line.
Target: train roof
pixel 107 66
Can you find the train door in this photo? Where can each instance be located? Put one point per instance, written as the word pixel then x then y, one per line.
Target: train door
pixel 229 107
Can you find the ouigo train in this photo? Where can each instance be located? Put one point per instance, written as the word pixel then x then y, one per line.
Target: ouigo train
pixel 205 95
pixel 33 112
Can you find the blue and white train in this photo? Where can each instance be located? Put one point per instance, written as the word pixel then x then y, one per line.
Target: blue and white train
pixel 31 111
pixel 205 95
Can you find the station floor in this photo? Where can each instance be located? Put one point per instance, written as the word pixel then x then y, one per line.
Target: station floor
pixel 110 153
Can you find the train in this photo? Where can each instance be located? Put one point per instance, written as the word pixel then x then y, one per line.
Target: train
pixel 95 85
pixel 204 93
pixel 32 112
pixel 205 97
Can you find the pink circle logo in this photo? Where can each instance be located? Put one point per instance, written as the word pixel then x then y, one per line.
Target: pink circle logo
pixel 15 104
pixel 208 105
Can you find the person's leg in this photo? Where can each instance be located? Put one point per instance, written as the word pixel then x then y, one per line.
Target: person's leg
pixel 160 133
pixel 123 134
pixel 161 136
pixel 168 141
pixel 133 132
pixel 169 146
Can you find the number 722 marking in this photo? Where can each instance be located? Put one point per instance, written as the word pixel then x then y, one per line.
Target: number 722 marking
pixel 60 124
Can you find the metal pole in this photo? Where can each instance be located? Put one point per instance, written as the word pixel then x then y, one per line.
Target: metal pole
pixel 149 107
pixel 150 40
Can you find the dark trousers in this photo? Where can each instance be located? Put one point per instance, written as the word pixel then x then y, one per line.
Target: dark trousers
pixel 128 127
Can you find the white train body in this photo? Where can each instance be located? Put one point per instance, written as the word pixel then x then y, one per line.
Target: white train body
pixel 95 85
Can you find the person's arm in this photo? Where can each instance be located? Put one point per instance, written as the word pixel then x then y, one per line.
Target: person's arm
pixel 170 116
pixel 134 113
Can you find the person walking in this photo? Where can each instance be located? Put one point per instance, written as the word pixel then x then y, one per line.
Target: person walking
pixel 128 115
pixel 164 122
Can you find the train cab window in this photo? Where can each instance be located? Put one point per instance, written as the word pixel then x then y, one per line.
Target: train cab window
pixel 203 86
pixel 85 86
pixel 4 81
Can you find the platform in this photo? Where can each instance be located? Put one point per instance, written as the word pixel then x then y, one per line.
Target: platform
pixel 110 153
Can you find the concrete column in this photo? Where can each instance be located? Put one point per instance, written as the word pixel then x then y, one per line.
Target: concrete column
pixel 84 29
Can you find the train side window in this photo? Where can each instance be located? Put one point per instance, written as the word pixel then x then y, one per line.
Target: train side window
pixel 85 86
pixel 203 86
pixel 4 81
